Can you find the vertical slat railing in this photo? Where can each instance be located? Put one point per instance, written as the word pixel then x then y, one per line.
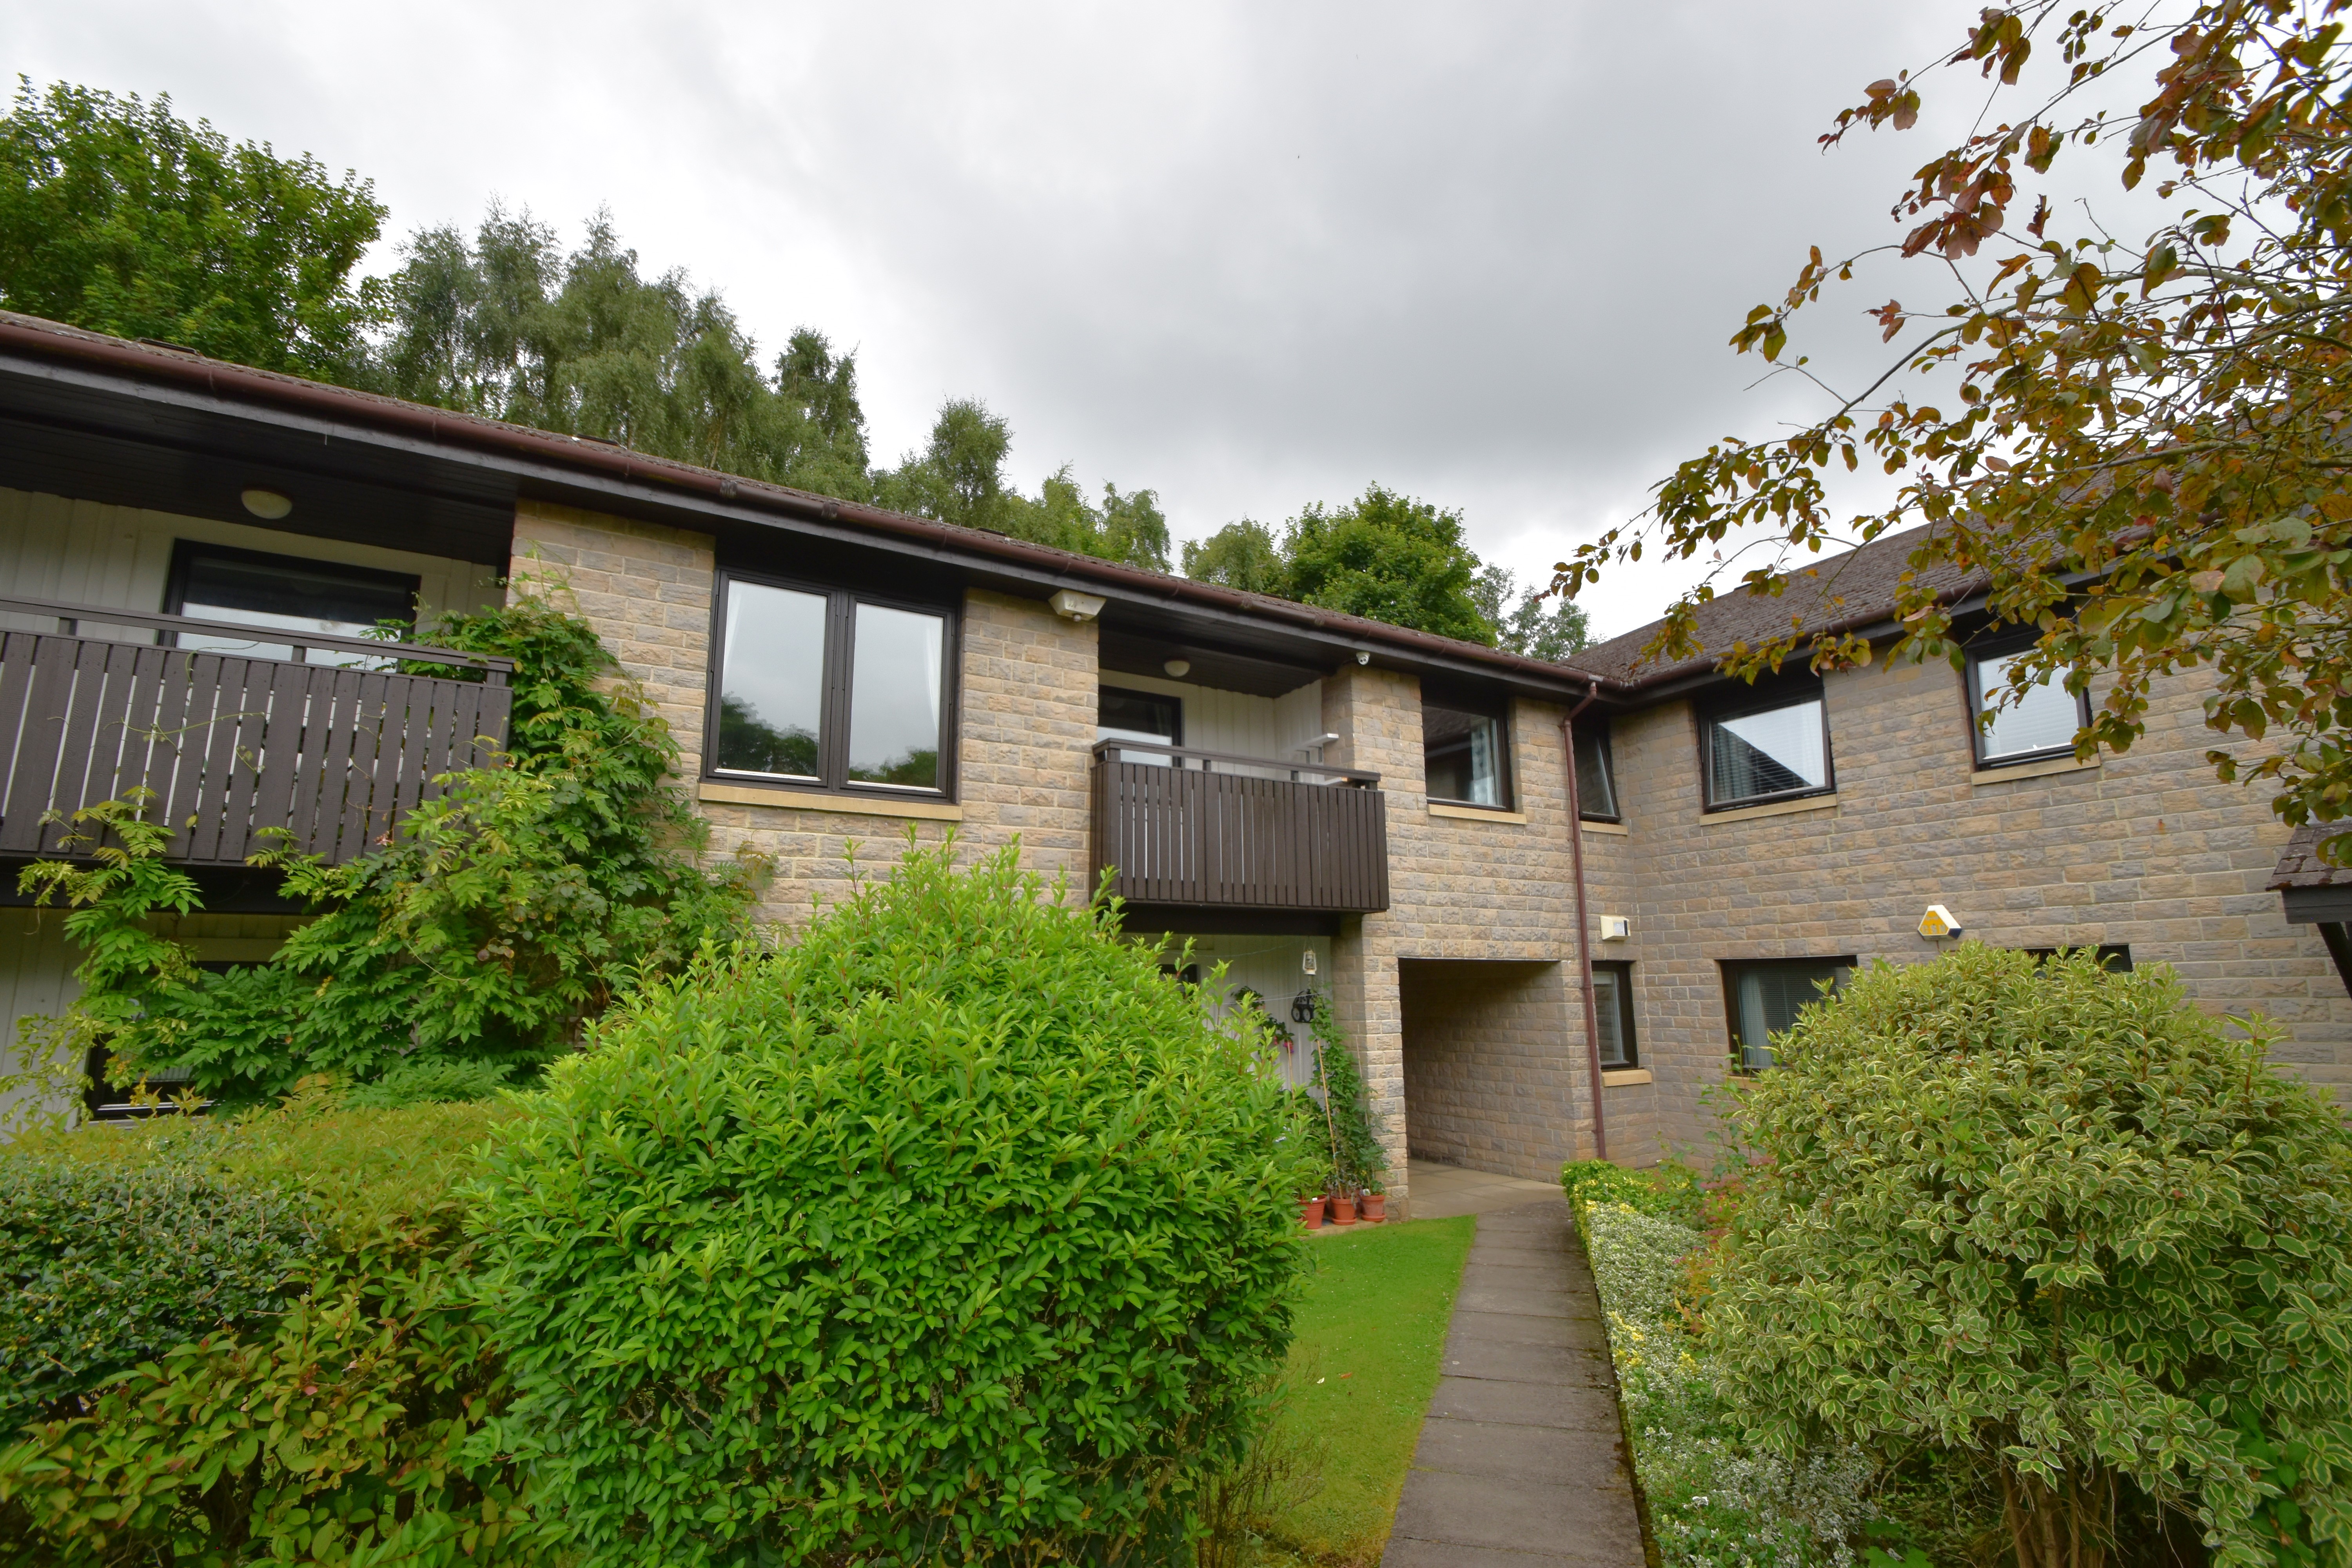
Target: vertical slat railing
pixel 242 754
pixel 1195 836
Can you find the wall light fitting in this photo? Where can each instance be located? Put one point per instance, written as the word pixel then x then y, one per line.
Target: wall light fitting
pixel 267 505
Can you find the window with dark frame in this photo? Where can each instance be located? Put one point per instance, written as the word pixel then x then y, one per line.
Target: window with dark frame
pixel 283 592
pixel 1613 1008
pixel 1466 750
pixel 1596 774
pixel 2041 726
pixel 1146 718
pixel 1776 748
pixel 1761 997
pixel 826 688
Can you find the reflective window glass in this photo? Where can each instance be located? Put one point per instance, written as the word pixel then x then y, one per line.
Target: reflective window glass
pixel 1462 755
pixel 2044 721
pixel 1612 1009
pixel 771 682
pixel 1141 716
pixel 1781 750
pixel 285 593
pixel 896 673
pixel 1596 782
pixel 1766 997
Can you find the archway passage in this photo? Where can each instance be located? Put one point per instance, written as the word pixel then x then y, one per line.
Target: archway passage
pixel 1491 1055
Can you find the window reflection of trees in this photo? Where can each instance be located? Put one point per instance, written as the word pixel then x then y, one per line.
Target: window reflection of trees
pixel 748 744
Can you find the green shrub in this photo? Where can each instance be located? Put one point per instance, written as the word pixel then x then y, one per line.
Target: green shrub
pixel 1356 1160
pixel 338 1426
pixel 952 1232
pixel 509 910
pixel 2054 1222
pixel 104 1264
pixel 1669 1190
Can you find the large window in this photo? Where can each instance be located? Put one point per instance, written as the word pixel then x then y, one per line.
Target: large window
pixel 823 687
pixel 2042 724
pixel 1596 775
pixel 1767 751
pixel 1466 752
pixel 1612 1006
pixel 1764 997
pixel 284 593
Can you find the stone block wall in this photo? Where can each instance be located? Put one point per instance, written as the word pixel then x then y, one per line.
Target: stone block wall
pixel 2144 849
pixel 1484 1073
pixel 1026 684
pixel 646 588
pixel 1496 888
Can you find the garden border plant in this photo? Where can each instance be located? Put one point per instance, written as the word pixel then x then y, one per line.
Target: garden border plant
pixel 514 905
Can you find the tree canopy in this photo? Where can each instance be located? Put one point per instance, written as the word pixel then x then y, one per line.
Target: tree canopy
pixel 1390 558
pixel 117 215
pixel 2143 450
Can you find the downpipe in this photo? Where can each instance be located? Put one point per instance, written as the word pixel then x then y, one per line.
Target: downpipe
pixel 1584 920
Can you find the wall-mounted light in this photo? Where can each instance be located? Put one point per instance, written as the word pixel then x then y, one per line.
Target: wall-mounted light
pixel 267 505
pixel 1073 605
pixel 1177 669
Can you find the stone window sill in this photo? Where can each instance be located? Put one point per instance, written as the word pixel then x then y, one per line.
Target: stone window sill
pixel 1624 1078
pixel 1613 829
pixel 1476 813
pixel 2055 765
pixel 1775 808
pixel 816 800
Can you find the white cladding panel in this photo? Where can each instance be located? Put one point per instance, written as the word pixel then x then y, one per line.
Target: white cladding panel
pixel 1269 966
pixel 86 552
pixel 1279 729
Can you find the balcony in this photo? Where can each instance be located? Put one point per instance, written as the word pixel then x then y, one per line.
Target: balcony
pixel 1212 831
pixel 231 745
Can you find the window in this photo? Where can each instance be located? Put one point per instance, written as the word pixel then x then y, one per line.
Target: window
pixel 1596 776
pixel 1775 752
pixel 1466 758
pixel 2114 956
pixel 2042 725
pixel 1763 998
pixel 214 582
pixel 1613 1007
pixel 822 687
pixel 1140 716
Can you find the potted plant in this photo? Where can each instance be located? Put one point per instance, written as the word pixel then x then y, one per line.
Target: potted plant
pixel 1343 1205
pixel 1372 1203
pixel 1310 1212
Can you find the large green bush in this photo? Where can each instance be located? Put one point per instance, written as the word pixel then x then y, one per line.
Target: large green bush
pixel 332 1416
pixel 2055 1224
pixel 952 1232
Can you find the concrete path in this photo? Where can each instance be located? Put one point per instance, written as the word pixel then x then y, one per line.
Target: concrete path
pixel 1440 1192
pixel 1521 1462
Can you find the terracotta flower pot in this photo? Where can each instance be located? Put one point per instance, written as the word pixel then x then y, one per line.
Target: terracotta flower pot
pixel 1310 1213
pixel 1376 1207
pixel 1343 1210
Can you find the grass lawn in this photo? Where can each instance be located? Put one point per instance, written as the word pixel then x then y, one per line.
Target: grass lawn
pixel 1371 1334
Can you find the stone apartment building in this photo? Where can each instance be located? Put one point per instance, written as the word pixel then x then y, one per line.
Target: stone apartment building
pixel 1319 804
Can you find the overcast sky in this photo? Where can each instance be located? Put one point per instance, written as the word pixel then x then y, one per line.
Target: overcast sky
pixel 1249 256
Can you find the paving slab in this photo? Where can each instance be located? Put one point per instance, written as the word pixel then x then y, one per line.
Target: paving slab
pixel 1521 1461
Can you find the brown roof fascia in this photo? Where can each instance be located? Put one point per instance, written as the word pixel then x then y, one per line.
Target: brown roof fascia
pixel 184 367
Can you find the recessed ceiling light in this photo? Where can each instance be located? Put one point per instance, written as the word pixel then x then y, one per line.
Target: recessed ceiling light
pixel 268 504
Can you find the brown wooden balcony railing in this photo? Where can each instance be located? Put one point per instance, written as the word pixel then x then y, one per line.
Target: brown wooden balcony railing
pixel 1210 830
pixel 230 745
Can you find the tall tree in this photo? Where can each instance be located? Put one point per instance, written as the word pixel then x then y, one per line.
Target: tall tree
pixel 1522 625
pixel 1389 558
pixel 508 325
pixel 117 215
pixel 960 477
pixel 1242 556
pixel 2147 452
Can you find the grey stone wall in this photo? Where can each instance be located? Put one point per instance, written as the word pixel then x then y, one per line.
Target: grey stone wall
pixel 2144 849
